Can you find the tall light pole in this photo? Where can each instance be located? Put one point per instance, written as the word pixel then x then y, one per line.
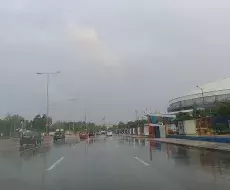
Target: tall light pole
pixel 136 114
pixel 202 92
pixel 73 100
pixel 86 128
pixel 104 122
pixel 47 95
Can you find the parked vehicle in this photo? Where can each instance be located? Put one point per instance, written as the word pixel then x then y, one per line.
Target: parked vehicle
pixel 103 132
pixel 109 133
pixel 98 133
pixel 91 134
pixel 83 135
pixel 59 135
pixel 51 133
pixel 30 137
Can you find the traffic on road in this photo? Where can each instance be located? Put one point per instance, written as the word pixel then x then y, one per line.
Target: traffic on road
pixel 114 162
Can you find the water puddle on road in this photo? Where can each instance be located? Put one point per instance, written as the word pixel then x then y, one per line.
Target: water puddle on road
pixel 215 163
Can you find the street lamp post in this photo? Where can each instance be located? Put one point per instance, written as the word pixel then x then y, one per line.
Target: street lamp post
pixel 202 92
pixel 47 95
pixel 73 100
pixel 137 119
pixel 86 128
pixel 136 114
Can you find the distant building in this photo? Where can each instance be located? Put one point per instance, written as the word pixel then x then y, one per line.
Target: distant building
pixel 204 96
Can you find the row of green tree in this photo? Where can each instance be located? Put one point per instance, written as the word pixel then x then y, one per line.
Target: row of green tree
pixel 77 126
pixel 92 127
pixel 11 124
pixel 121 126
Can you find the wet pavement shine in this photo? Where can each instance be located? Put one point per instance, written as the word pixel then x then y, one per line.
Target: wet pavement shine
pixel 113 163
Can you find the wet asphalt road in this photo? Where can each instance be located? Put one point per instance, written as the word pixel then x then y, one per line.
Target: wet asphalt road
pixel 113 163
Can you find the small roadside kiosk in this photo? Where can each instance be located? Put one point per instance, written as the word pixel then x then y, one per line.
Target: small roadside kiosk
pixel 156 131
pixel 157 125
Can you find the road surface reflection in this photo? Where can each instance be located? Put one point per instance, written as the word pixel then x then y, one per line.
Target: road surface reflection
pixel 215 162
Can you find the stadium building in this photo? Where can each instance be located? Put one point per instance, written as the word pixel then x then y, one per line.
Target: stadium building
pixel 204 96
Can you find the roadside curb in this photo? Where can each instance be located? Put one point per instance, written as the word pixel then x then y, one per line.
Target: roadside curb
pixel 136 136
pixel 209 147
pixel 191 143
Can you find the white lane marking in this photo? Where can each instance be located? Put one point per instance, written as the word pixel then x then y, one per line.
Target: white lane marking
pixel 142 161
pixel 74 146
pixel 55 164
pixel 117 146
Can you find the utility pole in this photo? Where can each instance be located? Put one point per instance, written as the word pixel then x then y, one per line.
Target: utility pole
pixel 137 118
pixel 86 121
pixel 47 95
pixel 104 121
pixel 73 100
pixel 10 129
pixel 136 112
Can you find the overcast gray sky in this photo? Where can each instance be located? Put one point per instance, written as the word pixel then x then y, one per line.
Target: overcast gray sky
pixel 116 56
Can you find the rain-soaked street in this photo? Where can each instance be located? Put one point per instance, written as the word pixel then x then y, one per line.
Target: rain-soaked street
pixel 112 163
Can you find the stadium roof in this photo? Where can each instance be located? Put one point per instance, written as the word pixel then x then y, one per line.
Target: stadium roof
pixel 210 89
pixel 213 86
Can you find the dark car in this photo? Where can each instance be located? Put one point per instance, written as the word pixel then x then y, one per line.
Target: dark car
pixel 59 136
pixel 30 137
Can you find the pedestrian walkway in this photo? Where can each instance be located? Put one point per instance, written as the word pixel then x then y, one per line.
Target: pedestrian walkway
pixel 193 143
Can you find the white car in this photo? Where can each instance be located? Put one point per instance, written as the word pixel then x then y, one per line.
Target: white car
pixel 51 133
pixel 109 133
